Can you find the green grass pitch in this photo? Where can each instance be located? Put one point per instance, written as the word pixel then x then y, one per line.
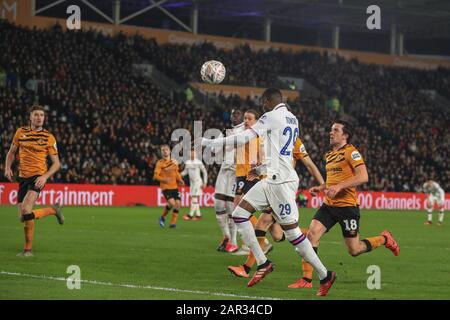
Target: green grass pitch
pixel 123 253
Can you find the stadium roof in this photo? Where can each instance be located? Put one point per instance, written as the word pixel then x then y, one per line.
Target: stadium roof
pixel 409 14
pixel 420 17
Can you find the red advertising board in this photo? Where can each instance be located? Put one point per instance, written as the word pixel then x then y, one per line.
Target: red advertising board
pixel 113 195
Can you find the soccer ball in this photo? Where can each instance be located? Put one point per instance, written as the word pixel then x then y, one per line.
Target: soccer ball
pixel 213 72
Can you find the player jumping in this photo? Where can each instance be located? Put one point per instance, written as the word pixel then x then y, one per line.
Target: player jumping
pixel 266 222
pixel 34 144
pixel 280 130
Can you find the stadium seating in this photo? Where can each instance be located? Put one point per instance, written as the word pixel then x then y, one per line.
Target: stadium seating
pixel 109 122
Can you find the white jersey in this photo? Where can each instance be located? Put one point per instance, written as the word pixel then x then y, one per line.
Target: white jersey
pixel 279 128
pixel 435 190
pixel 193 169
pixel 229 162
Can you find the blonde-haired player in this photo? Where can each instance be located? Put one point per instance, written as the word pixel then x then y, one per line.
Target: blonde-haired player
pixel 247 155
pixel 34 144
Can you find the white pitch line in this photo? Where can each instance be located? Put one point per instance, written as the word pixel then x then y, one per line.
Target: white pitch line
pixel 134 286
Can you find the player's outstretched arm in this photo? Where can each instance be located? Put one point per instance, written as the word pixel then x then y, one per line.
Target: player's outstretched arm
pixel 42 180
pixel 313 170
pixel 236 140
pixel 257 130
pixel 9 161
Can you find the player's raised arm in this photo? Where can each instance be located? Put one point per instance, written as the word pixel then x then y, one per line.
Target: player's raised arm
pixel 240 138
pixel 9 161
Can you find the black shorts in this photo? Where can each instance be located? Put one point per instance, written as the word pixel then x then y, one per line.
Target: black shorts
pixel 26 184
pixel 347 217
pixel 243 185
pixel 171 194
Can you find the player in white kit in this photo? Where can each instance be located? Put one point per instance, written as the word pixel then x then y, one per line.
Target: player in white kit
pixel 225 189
pixel 435 198
pixel 192 168
pixel 280 130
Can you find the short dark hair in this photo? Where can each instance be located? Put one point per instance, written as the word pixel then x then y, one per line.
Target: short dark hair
pixel 37 107
pixel 347 128
pixel 164 145
pixel 272 93
pixel 254 112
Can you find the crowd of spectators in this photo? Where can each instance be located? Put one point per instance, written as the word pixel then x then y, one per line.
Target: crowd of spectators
pixel 110 122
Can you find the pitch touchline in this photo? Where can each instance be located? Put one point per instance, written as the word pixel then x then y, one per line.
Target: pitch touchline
pixel 134 286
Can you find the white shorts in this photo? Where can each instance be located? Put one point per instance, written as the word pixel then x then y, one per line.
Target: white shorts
pixel 226 183
pixel 280 197
pixel 196 189
pixel 436 200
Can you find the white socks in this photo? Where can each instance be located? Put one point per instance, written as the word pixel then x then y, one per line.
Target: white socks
pixel 248 237
pixel 305 249
pixel 247 232
pixel 231 224
pixel 233 231
pixel 222 217
pixel 222 220
pixel 195 207
pixel 430 214
pixel 441 216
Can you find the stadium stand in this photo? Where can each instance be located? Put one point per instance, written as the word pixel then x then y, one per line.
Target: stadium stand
pixel 109 121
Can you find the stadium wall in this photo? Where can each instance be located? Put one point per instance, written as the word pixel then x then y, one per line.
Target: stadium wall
pixel 21 13
pixel 241 91
pixel 126 195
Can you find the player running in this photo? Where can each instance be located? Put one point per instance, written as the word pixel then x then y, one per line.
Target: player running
pixel 346 170
pixel 167 173
pixel 225 189
pixel 435 198
pixel 280 130
pixel 266 222
pixel 34 144
pixel 192 168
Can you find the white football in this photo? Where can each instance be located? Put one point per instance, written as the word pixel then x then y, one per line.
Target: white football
pixel 213 72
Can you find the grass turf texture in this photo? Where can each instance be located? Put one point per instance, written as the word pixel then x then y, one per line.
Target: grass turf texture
pixel 126 246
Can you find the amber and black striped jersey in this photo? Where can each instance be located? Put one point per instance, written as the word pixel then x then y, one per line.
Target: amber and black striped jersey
pixel 340 165
pixel 246 155
pixel 34 147
pixel 169 172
